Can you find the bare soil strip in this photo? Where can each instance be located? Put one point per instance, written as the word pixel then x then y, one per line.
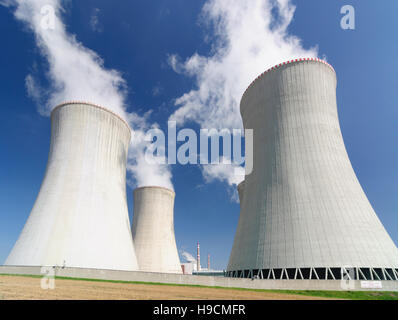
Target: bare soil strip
pixel 25 288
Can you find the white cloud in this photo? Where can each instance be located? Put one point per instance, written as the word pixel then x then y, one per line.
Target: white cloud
pixel 146 173
pixel 78 73
pixel 6 3
pixel 34 91
pixel 231 174
pixel 157 90
pixel 248 38
pixel 94 21
pixel 175 63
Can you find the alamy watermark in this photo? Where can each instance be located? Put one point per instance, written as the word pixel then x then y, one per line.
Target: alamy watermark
pixel 203 149
pixel 347 22
pixel 47 21
pixel 48 280
pixel 347 281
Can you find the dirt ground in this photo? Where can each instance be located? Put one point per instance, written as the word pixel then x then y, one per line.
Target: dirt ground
pixel 25 288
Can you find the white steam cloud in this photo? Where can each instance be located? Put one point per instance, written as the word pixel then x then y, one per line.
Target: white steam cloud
pixel 188 257
pixel 147 171
pixel 249 37
pixel 6 3
pixel 75 72
pixel 78 73
pixel 222 172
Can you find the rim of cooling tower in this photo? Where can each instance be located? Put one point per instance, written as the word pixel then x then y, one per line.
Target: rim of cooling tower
pixel 277 66
pixel 94 106
pixel 155 187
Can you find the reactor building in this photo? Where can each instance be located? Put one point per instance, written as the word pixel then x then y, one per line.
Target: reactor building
pixel 303 212
pixel 80 218
pixel 153 230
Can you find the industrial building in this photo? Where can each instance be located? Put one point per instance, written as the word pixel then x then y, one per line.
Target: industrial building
pixel 153 230
pixel 188 267
pixel 193 267
pixel 303 212
pixel 80 218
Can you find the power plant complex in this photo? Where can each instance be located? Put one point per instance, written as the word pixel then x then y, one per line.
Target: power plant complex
pixel 303 212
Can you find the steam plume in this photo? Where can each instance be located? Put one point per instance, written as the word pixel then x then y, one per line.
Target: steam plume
pixel 248 38
pixel 78 73
pixel 188 257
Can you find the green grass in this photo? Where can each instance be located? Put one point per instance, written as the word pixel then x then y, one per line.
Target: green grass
pixel 351 295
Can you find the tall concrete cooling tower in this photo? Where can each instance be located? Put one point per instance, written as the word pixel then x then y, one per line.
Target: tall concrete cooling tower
pixel 80 218
pixel 303 213
pixel 153 230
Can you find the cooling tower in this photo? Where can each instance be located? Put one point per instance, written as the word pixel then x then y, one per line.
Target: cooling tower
pixel 153 230
pixel 303 212
pixel 241 188
pixel 80 217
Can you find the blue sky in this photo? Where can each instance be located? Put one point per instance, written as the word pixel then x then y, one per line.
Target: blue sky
pixel 137 38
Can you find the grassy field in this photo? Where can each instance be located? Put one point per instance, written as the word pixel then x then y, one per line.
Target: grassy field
pixel 73 285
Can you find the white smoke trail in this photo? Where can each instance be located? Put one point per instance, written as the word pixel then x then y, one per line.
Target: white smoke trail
pixel 75 72
pixel 188 257
pixel 248 38
pixel 78 73
pixel 6 3
pixel 147 172
pixel 222 172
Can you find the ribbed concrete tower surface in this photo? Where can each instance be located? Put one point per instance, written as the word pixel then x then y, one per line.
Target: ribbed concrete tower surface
pixel 153 230
pixel 80 218
pixel 241 188
pixel 303 211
